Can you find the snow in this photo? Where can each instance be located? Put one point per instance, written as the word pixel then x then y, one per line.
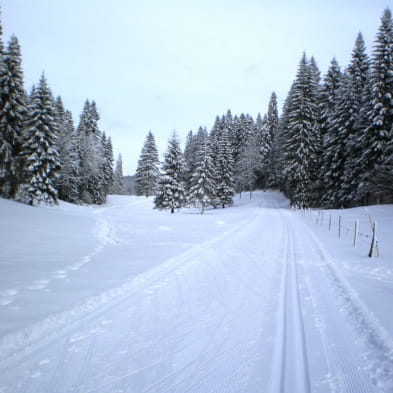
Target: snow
pixel 253 298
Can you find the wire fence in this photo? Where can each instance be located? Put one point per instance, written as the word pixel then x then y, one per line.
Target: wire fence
pixel 345 226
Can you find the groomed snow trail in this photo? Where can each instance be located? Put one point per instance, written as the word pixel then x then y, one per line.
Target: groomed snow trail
pixel 254 309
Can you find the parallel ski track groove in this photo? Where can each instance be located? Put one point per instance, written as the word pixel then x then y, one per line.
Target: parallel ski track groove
pixel 289 330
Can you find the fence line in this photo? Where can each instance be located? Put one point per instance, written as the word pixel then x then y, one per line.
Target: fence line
pixel 344 229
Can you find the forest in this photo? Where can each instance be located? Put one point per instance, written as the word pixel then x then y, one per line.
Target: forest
pixel 331 146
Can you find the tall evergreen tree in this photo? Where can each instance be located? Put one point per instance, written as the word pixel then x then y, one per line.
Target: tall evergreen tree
pixel 354 97
pixel 249 164
pixel 170 194
pixel 107 168
pixel 301 144
pixel 225 185
pixel 40 158
pixel 147 173
pixel 379 134
pixel 69 175
pixel 202 189
pixel 269 130
pixel 341 125
pixel 91 152
pixel 12 116
pixel 118 184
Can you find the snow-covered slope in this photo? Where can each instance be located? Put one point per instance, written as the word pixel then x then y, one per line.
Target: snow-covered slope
pixel 255 298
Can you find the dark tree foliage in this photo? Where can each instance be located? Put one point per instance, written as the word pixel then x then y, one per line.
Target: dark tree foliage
pixel 38 153
pixel 13 108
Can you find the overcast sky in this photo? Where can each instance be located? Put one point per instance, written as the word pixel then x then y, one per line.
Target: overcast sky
pixel 175 64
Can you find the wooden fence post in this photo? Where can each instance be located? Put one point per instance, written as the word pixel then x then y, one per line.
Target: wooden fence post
pixel 355 238
pixel 339 227
pixel 370 253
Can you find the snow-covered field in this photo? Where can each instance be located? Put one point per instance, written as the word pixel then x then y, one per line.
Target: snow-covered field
pixel 254 298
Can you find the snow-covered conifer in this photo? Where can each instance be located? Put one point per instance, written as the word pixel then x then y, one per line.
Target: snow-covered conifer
pixel 91 153
pixel 107 168
pixel 302 137
pixel 170 194
pixel 147 173
pixel 223 166
pixel 12 116
pixel 118 184
pixel 202 190
pixel 379 133
pixel 38 152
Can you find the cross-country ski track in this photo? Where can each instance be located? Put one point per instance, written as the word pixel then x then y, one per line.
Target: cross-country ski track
pixel 259 305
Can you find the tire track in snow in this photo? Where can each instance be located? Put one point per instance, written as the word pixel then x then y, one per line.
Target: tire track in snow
pixel 290 371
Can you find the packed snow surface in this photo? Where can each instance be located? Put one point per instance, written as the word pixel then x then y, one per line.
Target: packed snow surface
pixel 255 298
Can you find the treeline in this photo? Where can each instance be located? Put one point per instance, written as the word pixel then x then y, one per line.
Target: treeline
pixel 332 145
pixel 43 156
pixel 231 158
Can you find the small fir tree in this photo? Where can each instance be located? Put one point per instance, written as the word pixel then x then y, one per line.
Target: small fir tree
pixel 170 194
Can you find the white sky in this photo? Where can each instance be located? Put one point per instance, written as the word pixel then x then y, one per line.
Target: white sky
pixel 176 64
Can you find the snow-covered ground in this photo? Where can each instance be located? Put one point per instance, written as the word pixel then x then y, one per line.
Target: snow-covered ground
pixel 254 298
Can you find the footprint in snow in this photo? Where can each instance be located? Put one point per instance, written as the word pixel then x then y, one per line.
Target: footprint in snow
pixel 44 362
pixel 39 284
pixel 60 274
pixel 77 338
pixel 9 292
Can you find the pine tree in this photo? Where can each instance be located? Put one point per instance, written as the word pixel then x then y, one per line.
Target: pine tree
pixel 249 164
pixel 170 194
pixel 202 189
pixel 118 184
pixel 147 173
pixel 69 175
pixel 107 168
pixel 347 123
pixel 223 166
pixel 377 137
pixel 301 144
pixel 91 152
pixel 40 158
pixel 268 130
pixel 12 117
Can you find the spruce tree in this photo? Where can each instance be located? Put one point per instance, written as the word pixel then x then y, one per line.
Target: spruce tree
pixel 351 127
pixel 249 164
pixel 301 144
pixel 40 158
pixel 223 166
pixel 147 173
pixel 91 152
pixel 118 184
pixel 170 194
pixel 202 189
pixel 69 175
pixel 269 129
pixel 12 117
pixel 107 167
pixel 379 133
